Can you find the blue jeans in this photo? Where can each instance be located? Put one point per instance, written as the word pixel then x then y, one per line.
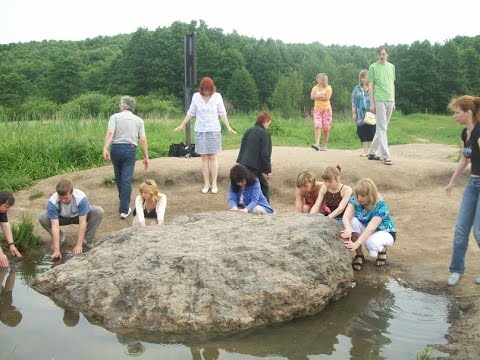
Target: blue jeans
pixel 123 159
pixel 468 216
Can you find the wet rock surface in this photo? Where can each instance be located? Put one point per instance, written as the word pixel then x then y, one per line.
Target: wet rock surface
pixel 210 273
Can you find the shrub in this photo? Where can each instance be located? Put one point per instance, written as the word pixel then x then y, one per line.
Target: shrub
pixel 85 106
pixel 35 108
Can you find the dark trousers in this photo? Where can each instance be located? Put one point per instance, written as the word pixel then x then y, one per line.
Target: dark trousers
pixel 123 160
pixel 263 182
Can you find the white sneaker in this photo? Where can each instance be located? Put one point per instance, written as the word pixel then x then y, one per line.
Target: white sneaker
pixel 477 281
pixel 453 279
pixel 123 216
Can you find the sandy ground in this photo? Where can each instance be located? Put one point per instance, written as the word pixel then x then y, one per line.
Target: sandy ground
pixel 413 187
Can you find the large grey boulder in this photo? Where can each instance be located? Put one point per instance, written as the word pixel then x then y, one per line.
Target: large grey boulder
pixel 208 273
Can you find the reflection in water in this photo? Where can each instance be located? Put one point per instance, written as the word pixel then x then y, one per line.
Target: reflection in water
pixel 133 347
pixel 375 321
pixel 71 317
pixel 9 314
pixel 204 354
pixel 362 316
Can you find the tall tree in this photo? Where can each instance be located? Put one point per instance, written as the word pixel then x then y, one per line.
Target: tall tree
pixel 63 80
pixel 242 91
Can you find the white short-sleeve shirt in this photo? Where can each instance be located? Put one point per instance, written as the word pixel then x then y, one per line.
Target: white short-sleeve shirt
pixel 207 113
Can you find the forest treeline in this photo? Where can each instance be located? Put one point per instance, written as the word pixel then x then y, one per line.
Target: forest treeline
pixel 84 78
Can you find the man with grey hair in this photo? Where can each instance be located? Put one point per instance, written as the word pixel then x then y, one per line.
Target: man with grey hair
pixel 125 131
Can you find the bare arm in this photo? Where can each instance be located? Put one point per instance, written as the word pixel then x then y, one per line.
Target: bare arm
pixel 369 230
pixel 298 201
pixel 372 98
pixel 328 94
pixel 144 146
pixel 106 145
pixel 185 121
pixel 321 195
pixel 462 164
pixel 347 222
pixel 82 228
pixel 227 125
pixel 56 239
pixel 3 260
pixel 7 232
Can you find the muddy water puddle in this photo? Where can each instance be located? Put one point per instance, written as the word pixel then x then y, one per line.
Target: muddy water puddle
pixel 375 321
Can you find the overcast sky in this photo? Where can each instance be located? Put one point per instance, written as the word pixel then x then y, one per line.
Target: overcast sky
pixel 342 22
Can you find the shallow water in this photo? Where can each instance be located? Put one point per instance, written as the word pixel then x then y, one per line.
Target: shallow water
pixel 375 321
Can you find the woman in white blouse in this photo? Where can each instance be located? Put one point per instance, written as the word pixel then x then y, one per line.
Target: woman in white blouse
pixel 207 106
pixel 150 205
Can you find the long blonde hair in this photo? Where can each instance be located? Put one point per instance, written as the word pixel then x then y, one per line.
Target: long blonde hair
pixel 366 187
pixel 363 73
pixel 150 187
pixel 324 77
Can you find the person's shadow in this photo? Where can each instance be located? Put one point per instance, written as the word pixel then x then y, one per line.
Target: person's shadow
pixel 9 314
pixel 133 347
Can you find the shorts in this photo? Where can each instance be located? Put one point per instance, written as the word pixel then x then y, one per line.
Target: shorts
pixel 322 119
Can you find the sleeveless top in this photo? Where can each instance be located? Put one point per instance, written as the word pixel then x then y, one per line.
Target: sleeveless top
pixel 471 148
pixel 332 200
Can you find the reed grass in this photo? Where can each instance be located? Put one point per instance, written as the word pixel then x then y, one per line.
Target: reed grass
pixel 34 150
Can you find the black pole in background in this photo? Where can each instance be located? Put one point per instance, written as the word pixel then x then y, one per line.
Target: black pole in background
pixel 190 77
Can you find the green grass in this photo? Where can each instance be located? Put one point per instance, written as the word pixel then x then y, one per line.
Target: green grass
pixel 427 353
pixel 34 150
pixel 23 235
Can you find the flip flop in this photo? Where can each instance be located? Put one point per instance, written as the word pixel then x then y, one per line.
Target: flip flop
pixel 374 157
pixel 381 259
pixel 357 266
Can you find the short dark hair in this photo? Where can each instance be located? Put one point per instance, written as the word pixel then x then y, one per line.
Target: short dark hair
pixel 64 187
pixel 382 47
pixel 6 197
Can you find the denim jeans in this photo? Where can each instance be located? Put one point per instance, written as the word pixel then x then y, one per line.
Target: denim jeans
pixel 123 159
pixel 468 216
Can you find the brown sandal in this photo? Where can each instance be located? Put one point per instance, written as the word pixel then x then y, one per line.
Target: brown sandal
pixel 381 259
pixel 357 266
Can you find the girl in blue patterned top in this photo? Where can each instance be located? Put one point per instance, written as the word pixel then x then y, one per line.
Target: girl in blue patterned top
pixel 367 221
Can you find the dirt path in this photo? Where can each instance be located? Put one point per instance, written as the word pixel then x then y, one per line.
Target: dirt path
pixel 413 187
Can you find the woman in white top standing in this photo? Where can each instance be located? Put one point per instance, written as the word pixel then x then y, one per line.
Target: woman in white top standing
pixel 150 205
pixel 207 106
